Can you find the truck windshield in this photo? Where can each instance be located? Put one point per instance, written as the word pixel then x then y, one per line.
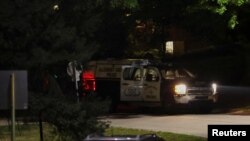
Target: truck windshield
pixel 176 73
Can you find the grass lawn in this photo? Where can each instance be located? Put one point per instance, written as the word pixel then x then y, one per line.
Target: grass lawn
pixel 26 133
pixel 165 135
pixel 31 133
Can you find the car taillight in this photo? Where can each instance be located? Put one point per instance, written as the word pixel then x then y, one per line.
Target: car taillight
pixel 88 81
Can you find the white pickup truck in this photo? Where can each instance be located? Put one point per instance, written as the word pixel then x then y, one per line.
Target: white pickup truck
pixel 144 83
pixel 155 84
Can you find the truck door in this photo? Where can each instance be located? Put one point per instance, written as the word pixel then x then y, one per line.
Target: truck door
pixel 131 83
pixel 151 85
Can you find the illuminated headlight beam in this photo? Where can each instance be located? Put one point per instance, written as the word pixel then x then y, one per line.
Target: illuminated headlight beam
pixel 214 86
pixel 180 89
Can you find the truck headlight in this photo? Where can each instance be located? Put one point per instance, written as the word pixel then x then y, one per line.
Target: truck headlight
pixel 214 87
pixel 180 89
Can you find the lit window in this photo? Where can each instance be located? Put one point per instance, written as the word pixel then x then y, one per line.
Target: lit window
pixel 169 47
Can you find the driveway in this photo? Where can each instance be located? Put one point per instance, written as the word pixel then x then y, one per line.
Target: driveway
pixel 190 124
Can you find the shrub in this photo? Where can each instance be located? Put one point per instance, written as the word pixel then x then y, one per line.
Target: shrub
pixel 72 120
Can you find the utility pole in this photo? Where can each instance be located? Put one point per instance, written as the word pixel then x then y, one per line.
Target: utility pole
pixel 13 107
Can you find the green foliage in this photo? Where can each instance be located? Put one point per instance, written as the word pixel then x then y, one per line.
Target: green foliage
pixel 221 10
pixel 233 22
pixel 72 120
pixel 124 3
pixel 223 7
pixel 35 34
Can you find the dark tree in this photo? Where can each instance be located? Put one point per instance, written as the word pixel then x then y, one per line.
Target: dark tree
pixel 45 35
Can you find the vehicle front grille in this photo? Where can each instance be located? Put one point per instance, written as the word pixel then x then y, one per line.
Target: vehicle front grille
pixel 199 91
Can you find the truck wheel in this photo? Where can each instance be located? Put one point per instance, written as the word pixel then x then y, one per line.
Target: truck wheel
pixel 168 105
pixel 113 107
pixel 114 102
